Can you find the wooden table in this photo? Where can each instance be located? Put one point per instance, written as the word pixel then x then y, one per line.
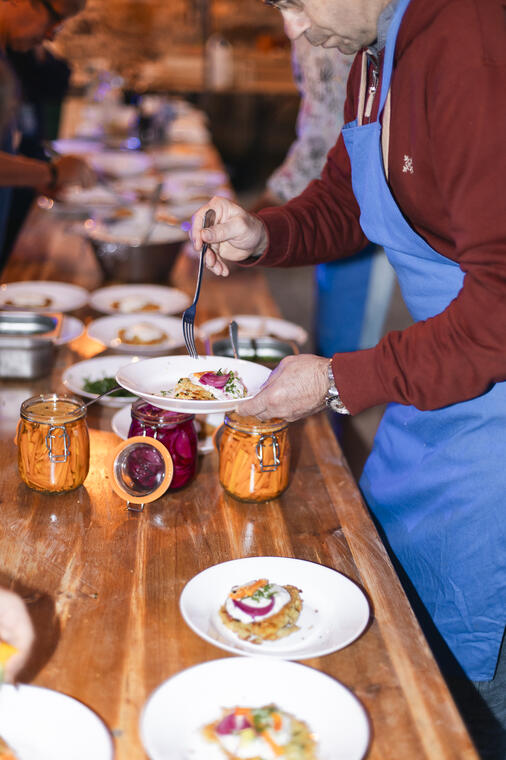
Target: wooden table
pixel 103 583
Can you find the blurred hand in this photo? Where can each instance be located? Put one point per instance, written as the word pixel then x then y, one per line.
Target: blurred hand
pixel 72 170
pixel 234 236
pixel 15 629
pixel 295 389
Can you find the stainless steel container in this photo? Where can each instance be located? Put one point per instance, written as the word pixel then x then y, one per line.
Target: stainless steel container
pixel 27 348
pixel 148 262
pixel 266 351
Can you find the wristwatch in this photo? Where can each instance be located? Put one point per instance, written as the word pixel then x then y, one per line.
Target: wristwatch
pixel 332 397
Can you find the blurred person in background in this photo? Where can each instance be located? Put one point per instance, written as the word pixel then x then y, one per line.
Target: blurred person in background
pixel 351 295
pixel 25 24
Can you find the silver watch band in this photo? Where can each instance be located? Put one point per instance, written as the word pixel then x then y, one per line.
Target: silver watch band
pixel 332 398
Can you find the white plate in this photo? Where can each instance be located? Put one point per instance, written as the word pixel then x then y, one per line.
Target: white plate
pixel 64 297
pixel 97 369
pixel 71 329
pixel 148 378
pixel 175 713
pixel 121 163
pixel 76 147
pixel 106 330
pixel 335 611
pixel 121 420
pixel 255 326
pixel 168 300
pixel 40 724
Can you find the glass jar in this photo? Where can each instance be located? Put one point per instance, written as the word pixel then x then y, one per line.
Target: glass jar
pixel 175 430
pixel 254 457
pixel 53 443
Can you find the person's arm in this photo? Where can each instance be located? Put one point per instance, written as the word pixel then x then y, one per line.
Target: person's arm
pixel 19 171
pixel 16 629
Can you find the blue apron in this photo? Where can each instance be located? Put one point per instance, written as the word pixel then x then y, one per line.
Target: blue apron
pixel 435 480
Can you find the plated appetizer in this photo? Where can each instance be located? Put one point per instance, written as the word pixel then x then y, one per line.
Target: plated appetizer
pixel 261 611
pixel 208 386
pixel 6 753
pixel 261 733
pixel 133 303
pixel 142 334
pixel 29 300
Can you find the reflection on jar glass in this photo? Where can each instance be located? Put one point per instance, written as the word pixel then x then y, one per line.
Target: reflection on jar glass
pixel 254 457
pixel 175 430
pixel 53 443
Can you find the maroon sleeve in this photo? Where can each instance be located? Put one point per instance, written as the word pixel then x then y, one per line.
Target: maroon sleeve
pixel 460 353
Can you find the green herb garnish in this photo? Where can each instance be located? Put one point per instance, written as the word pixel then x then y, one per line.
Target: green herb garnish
pixel 103 385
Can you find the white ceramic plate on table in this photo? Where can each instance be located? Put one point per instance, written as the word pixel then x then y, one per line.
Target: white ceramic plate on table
pixel 76 147
pixel 149 378
pixel 71 329
pixel 121 163
pixel 106 331
pixel 121 420
pixel 173 718
pixel 94 369
pixel 122 299
pixel 256 326
pixel 40 724
pixel 335 610
pixel 42 295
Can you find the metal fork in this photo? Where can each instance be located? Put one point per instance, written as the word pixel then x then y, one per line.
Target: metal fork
pixel 189 313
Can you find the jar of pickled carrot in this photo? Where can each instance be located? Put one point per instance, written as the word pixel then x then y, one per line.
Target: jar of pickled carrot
pixel 254 457
pixel 53 443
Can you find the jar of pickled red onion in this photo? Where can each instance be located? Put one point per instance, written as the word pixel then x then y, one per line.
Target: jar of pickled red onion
pixel 254 457
pixel 175 430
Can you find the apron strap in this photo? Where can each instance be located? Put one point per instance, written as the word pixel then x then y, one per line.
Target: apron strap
pixel 361 94
pixel 385 132
pixel 385 128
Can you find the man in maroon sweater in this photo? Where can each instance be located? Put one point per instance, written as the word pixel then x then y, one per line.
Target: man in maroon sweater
pixel 420 169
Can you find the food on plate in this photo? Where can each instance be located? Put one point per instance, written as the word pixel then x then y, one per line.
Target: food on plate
pixel 142 334
pixel 260 611
pixel 261 733
pixel 6 753
pixel 29 300
pixel 133 303
pixel 102 385
pixel 208 386
pixel 6 652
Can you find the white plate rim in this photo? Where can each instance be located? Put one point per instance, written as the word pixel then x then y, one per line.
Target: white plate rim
pixel 72 328
pixel 80 295
pixel 237 646
pixel 166 322
pixel 188 405
pixel 53 694
pixel 217 324
pixel 97 361
pixel 254 664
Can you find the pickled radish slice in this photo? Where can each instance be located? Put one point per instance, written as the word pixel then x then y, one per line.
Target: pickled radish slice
pixel 255 611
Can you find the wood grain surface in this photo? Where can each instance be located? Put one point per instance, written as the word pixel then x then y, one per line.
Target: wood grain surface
pixel 103 584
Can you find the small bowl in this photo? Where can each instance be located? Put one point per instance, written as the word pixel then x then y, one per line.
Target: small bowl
pixel 266 351
pixel 148 262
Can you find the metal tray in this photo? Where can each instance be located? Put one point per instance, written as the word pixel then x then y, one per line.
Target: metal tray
pixel 27 348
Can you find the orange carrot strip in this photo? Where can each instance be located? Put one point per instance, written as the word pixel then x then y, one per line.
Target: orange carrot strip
pixel 248 590
pixel 276 721
pixel 272 744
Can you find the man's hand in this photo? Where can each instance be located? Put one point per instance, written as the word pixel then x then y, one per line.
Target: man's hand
pixel 15 629
pixel 235 235
pixel 72 170
pixel 295 389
